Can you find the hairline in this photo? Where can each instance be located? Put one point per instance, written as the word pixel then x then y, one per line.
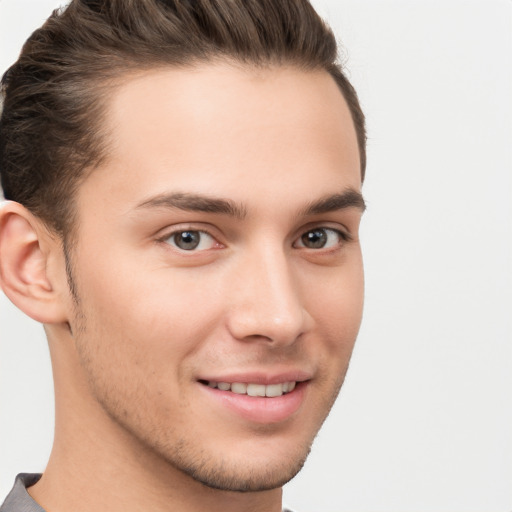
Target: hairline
pixel 104 89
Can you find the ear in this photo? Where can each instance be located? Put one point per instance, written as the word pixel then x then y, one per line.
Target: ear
pixel 25 249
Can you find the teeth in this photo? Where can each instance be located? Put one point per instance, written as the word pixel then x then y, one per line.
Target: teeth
pixel 241 388
pixel 274 390
pixel 256 389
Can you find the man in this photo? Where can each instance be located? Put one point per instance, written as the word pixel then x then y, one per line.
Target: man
pixel 183 186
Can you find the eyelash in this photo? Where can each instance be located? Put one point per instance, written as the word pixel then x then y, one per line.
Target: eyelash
pixel 171 236
pixel 344 236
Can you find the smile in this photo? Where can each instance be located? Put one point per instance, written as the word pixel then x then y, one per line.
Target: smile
pixel 251 389
pixel 262 398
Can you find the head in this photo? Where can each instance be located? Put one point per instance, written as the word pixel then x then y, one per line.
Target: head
pixel 185 181
pixel 52 129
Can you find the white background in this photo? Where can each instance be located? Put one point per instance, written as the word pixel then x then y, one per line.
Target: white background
pixel 424 422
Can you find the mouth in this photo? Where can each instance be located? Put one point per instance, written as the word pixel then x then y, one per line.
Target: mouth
pixel 260 399
pixel 253 389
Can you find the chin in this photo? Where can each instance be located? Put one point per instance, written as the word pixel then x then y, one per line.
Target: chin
pixel 252 476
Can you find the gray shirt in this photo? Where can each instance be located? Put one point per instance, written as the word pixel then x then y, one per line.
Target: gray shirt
pixel 19 500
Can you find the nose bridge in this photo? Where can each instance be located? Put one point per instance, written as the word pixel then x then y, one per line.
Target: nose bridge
pixel 268 303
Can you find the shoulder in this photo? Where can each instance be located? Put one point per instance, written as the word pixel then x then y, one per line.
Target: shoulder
pixel 19 500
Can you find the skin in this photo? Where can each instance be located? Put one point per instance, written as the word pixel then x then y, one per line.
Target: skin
pixel 150 322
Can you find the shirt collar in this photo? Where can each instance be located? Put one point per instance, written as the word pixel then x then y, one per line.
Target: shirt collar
pixel 19 500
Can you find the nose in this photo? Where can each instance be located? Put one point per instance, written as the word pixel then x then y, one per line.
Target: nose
pixel 267 302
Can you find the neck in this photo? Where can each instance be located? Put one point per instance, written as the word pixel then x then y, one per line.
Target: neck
pixel 97 464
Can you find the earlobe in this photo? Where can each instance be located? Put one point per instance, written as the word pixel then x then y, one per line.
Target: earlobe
pixel 25 247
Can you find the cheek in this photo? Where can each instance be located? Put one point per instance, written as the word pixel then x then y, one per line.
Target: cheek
pixel 132 293
pixel 336 300
pixel 146 320
pixel 137 341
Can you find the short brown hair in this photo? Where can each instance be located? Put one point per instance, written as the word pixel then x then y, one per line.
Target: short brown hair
pixel 53 96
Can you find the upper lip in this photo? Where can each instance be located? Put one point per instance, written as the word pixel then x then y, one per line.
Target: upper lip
pixel 258 377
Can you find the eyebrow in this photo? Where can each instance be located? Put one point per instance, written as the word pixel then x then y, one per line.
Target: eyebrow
pixel 350 198
pixel 196 203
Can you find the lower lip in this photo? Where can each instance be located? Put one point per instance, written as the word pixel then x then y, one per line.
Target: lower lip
pixel 260 409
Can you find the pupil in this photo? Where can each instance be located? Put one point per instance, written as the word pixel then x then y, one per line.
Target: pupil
pixel 315 239
pixel 187 240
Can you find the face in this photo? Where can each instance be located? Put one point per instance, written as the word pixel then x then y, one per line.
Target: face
pixel 218 269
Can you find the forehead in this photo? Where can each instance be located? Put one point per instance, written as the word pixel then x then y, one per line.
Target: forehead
pixel 221 126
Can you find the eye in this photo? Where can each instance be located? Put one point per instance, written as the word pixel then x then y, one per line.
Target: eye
pixel 191 240
pixel 321 238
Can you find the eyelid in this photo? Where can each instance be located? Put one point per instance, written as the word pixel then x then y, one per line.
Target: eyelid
pixel 169 232
pixel 343 233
